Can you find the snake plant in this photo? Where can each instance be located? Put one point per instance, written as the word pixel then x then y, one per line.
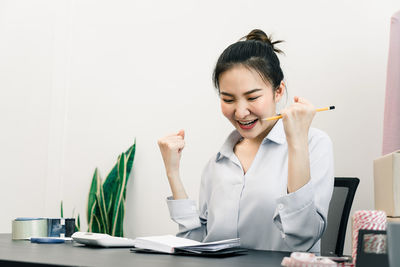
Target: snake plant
pixel 106 202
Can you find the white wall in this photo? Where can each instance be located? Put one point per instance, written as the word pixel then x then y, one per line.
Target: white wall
pixel 79 80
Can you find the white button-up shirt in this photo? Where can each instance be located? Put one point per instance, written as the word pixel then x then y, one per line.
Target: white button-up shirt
pixel 255 205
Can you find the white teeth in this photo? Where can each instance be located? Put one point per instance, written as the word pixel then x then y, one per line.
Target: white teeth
pixel 247 122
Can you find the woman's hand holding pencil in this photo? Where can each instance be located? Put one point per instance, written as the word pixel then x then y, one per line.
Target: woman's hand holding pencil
pixel 297 120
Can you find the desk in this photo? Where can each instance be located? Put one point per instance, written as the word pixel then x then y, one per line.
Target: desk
pixel 23 253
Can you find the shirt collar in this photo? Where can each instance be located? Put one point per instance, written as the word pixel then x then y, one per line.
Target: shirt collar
pixel 227 148
pixel 276 135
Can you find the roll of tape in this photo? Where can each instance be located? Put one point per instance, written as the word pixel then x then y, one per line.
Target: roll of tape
pixel 366 219
pixel 25 228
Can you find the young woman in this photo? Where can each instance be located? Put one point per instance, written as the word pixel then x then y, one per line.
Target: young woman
pixel 271 182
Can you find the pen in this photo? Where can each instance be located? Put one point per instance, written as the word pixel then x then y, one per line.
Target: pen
pixel 280 116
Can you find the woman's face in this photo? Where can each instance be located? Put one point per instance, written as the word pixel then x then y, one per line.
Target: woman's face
pixel 246 99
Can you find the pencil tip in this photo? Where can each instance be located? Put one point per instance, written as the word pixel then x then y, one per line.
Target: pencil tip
pixel 332 107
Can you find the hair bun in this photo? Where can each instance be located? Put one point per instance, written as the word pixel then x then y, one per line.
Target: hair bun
pixel 259 35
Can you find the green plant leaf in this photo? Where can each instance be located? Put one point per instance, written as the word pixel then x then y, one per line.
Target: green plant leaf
pixel 112 182
pixel 119 207
pixel 113 175
pixel 92 196
pixel 110 187
pixel 93 209
pixel 130 155
pixel 96 225
pixel 77 224
pixel 106 201
pixel 102 209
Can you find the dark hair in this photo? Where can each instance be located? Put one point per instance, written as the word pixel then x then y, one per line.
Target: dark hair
pixel 256 51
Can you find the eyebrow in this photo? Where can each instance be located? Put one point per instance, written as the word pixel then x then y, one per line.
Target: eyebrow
pixel 246 93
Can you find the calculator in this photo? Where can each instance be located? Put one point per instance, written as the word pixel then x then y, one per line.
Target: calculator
pixel 102 240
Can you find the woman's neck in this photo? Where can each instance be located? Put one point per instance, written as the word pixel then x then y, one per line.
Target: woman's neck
pixel 258 139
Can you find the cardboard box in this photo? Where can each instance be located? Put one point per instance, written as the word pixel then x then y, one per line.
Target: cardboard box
pixel 387 183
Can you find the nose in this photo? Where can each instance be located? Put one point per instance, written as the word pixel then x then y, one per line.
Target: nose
pixel 241 110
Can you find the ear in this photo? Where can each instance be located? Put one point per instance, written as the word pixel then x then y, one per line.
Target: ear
pixel 279 92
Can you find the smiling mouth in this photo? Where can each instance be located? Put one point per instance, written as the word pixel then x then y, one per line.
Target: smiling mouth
pixel 247 123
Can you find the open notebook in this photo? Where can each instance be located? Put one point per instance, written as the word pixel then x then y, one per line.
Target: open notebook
pixel 176 245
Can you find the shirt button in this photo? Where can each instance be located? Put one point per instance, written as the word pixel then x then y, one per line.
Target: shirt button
pixel 281 206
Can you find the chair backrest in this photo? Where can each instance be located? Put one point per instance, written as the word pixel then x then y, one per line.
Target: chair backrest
pixel 332 241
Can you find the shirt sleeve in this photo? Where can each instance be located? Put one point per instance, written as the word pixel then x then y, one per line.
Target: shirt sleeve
pixel 192 223
pixel 301 216
pixel 184 213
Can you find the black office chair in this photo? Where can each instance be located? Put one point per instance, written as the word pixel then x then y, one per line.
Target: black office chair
pixel 332 241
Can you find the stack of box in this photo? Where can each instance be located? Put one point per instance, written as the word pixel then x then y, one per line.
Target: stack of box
pixel 387 185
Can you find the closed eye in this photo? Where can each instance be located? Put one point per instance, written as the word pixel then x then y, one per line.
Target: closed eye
pixel 253 98
pixel 227 100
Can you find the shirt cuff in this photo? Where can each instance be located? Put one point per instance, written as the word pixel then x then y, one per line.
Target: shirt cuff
pixel 295 201
pixel 296 218
pixel 184 212
pixel 179 208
